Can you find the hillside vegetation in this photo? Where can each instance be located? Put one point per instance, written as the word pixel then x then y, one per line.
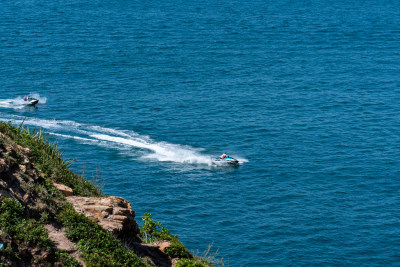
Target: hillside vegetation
pixel 40 227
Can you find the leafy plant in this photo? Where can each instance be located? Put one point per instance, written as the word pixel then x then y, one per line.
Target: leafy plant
pixel 10 213
pixel 177 249
pixel 152 231
pixel 66 260
pixel 189 263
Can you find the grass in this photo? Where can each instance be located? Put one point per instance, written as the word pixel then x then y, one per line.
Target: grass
pixel 27 233
pixel 208 257
pixel 48 159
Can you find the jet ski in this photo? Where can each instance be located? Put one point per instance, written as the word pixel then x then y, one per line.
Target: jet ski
pixel 30 101
pixel 229 161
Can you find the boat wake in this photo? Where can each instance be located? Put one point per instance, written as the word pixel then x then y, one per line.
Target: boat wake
pixel 19 103
pixel 125 141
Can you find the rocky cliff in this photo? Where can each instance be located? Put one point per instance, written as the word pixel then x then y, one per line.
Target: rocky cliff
pixel 50 216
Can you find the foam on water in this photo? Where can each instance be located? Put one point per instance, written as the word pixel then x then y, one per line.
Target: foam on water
pixel 18 102
pixel 160 151
pixel 72 137
pixel 120 140
pixel 15 103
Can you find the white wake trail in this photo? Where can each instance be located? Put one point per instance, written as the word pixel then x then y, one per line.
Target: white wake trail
pixel 121 140
pixel 160 151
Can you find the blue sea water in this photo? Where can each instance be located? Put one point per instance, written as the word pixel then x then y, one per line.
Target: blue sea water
pixel 143 94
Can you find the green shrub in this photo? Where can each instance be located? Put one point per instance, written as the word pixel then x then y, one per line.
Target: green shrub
pixel 189 263
pixel 8 254
pixel 11 211
pixel 152 231
pixel 13 222
pixel 65 260
pixel 177 250
pixel 33 233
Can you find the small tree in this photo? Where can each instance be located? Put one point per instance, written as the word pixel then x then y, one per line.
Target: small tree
pixel 152 231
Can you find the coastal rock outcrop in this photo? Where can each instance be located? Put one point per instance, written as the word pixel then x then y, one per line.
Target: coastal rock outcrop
pixel 114 214
pixel 38 227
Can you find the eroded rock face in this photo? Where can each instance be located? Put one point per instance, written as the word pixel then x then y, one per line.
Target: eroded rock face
pixel 112 213
pixel 15 171
pixel 67 191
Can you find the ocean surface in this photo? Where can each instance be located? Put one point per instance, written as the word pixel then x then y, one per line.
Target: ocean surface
pixel 144 94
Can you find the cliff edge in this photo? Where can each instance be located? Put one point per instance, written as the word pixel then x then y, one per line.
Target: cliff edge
pixel 50 216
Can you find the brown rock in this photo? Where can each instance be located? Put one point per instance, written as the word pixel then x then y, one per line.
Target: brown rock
pixel 27 151
pixel 121 211
pixel 22 168
pixel 112 213
pixel 163 245
pixel 156 252
pixel 67 191
pixel 3 165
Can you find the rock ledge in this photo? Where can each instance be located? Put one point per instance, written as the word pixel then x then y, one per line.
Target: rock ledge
pixel 114 214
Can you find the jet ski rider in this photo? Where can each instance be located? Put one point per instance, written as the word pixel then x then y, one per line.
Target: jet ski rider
pixel 223 156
